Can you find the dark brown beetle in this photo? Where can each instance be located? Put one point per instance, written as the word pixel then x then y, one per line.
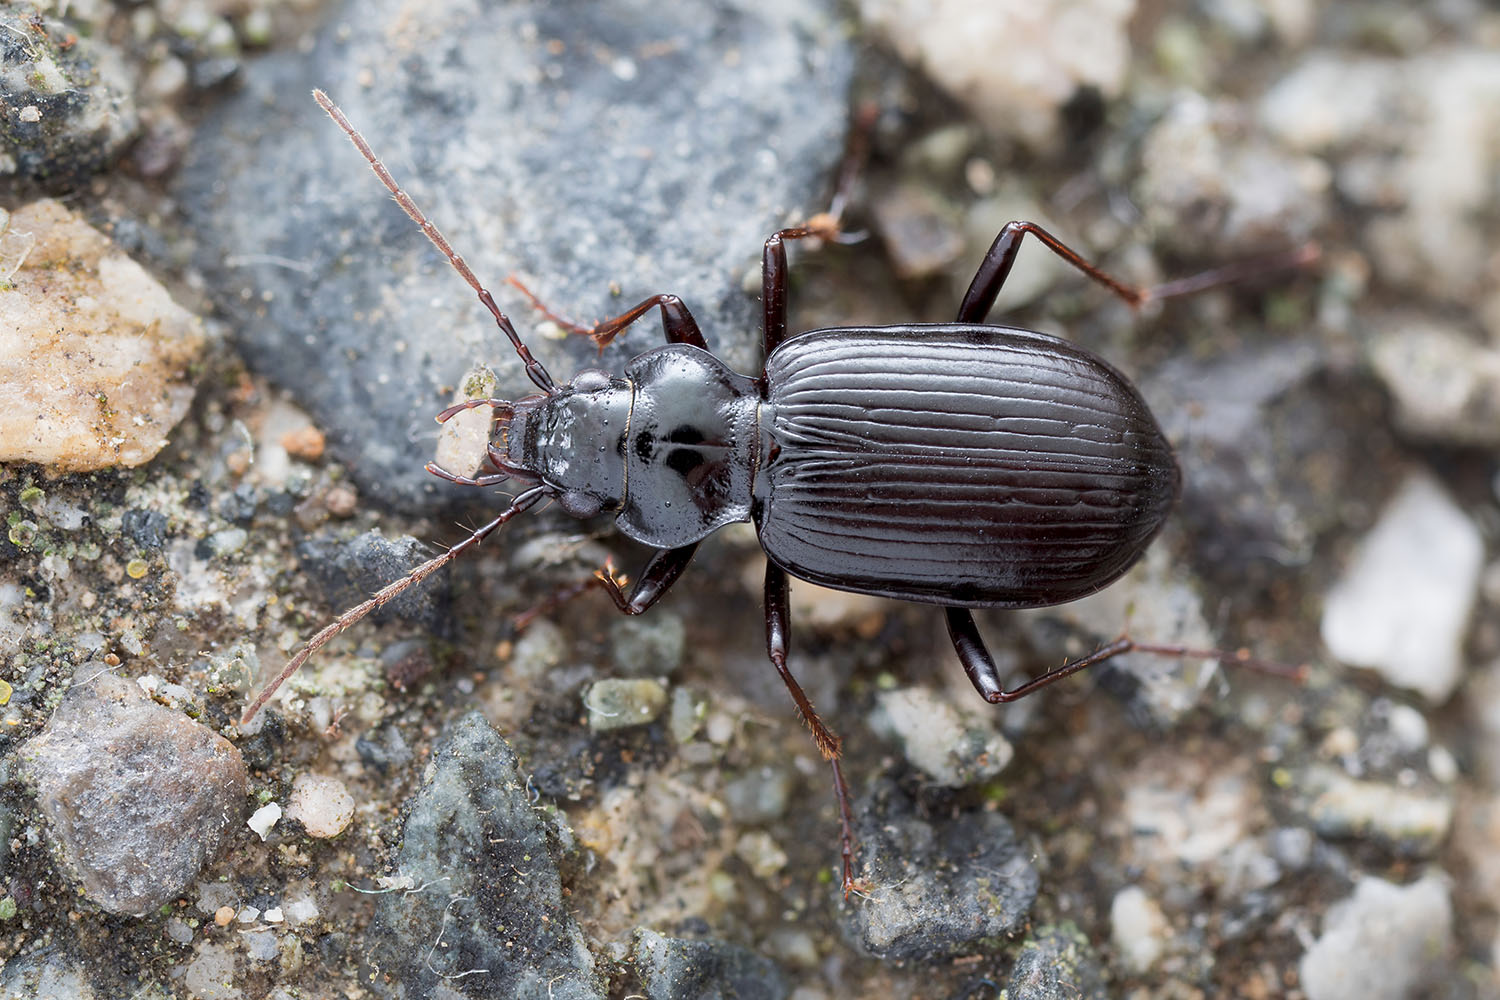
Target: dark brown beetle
pixel 963 465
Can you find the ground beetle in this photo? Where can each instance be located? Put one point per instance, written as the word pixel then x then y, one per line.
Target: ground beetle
pixel 959 464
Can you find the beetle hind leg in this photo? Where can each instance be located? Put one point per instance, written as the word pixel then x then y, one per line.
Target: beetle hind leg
pixel 985 676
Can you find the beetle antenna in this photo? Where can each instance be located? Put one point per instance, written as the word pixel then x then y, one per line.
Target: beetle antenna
pixel 521 503
pixel 534 369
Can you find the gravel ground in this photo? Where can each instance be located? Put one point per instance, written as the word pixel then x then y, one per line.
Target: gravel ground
pixel 227 344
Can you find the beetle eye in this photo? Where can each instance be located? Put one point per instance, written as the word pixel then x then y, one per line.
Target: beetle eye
pixel 579 504
pixel 591 380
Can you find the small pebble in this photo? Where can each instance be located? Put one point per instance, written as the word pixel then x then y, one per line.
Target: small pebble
pixel 760 795
pixel 223 915
pixel 1402 604
pixel 341 501
pixel 264 818
pixel 260 944
pixel 321 804
pixel 685 718
pixel 96 351
pixel 300 911
pixel 1412 820
pixel 617 703
pixel 305 443
pixel 952 747
pixel 136 797
pixel 1138 928
pixel 761 852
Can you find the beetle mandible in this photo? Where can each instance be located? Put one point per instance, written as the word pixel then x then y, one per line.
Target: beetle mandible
pixel 959 464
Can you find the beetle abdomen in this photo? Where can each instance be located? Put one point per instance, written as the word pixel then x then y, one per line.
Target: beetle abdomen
pixel 958 464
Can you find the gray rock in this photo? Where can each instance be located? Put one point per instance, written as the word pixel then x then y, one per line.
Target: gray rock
pixel 1445 383
pixel 69 106
pixel 47 974
pixel 1056 963
pixel 1248 425
pixel 136 796
pixel 1382 943
pixel 1401 606
pixel 953 745
pixel 349 570
pixel 615 145
pixel 648 645
pixel 1421 116
pixel 935 889
pixel 678 969
pixel 1015 63
pixel 1410 821
pixel 482 914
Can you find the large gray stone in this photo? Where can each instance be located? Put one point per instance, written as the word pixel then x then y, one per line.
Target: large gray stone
pixel 479 912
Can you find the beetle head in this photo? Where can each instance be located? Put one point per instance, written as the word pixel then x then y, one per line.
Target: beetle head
pixel 572 440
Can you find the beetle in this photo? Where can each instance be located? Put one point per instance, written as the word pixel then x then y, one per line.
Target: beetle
pixel 962 464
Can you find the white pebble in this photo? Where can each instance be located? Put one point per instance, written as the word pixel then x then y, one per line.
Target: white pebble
pixel 264 818
pixel 1403 603
pixel 1382 943
pixel 321 804
pixel 300 911
pixel 1138 928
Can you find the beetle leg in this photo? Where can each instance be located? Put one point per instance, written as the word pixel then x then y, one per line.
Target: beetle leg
pixel 985 677
pixel 490 480
pixel 778 633
pixel 665 566
pixel 1001 256
pixel 773 271
pixel 676 322
pixel 995 268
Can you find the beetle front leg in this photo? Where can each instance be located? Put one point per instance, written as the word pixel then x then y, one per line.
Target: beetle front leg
pixel 778 634
pixel 677 323
pixel 663 569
